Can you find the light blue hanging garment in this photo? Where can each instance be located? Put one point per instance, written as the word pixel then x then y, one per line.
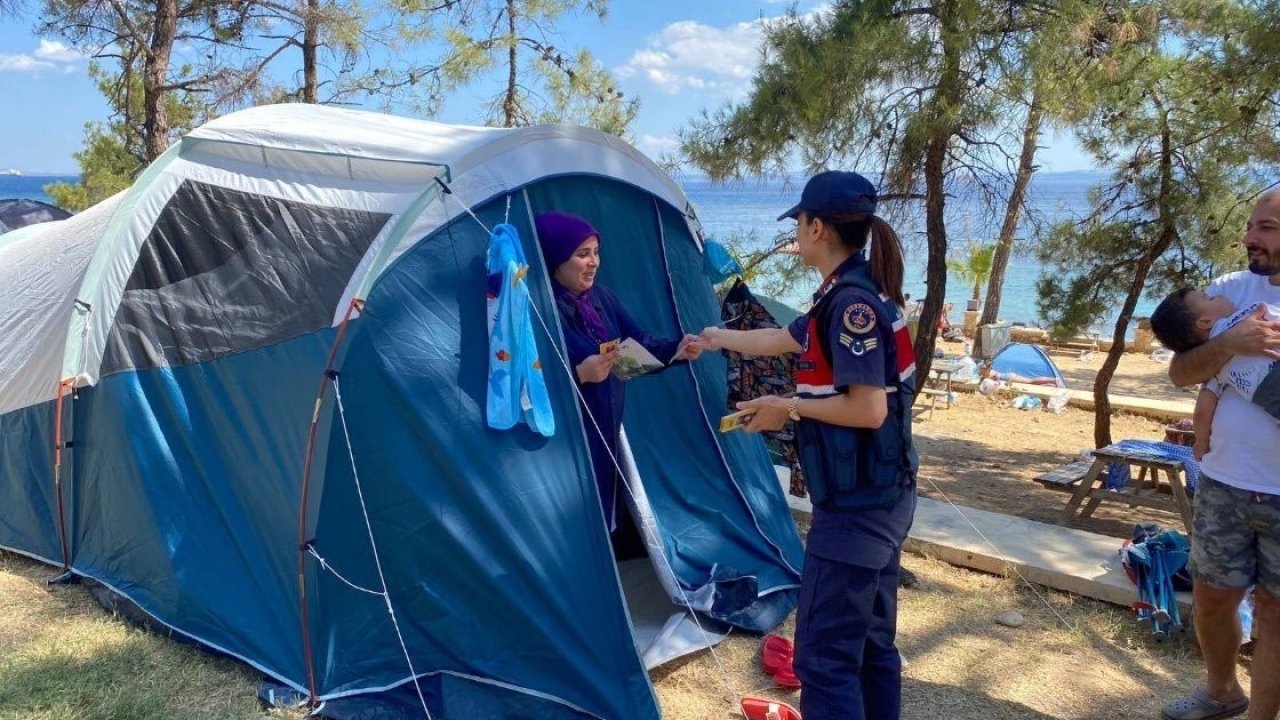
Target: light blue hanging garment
pixel 517 388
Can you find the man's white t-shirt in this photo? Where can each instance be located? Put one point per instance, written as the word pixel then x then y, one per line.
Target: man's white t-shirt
pixel 1244 448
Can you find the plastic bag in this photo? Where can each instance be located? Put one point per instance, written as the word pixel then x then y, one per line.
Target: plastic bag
pixel 1026 402
pixel 1162 355
pixel 1246 617
pixel 717 263
pixel 1059 401
pixel 988 386
pixel 967 370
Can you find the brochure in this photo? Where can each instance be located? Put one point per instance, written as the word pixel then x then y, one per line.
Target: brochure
pixel 733 421
pixel 633 359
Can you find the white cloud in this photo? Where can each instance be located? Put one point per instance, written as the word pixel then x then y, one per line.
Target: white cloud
pixel 50 55
pixel 54 51
pixel 689 55
pixel 22 63
pixel 656 146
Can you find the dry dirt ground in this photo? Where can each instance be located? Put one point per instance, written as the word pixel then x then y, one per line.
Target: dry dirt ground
pixel 983 453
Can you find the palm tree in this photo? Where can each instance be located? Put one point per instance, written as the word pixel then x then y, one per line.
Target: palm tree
pixel 974 269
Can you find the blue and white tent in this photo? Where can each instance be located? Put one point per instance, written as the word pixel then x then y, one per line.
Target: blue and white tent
pixel 174 341
pixel 1028 361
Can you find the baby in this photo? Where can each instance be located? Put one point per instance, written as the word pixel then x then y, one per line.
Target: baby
pixel 1189 317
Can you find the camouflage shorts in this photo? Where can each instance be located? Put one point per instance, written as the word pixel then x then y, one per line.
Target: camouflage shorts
pixel 1236 540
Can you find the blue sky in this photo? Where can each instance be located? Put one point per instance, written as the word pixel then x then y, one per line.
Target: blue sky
pixel 677 56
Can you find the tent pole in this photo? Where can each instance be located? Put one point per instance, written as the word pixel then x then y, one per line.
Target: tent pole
pixel 64 387
pixel 304 542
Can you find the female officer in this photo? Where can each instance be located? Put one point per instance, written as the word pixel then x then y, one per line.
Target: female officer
pixel 591 316
pixel 854 382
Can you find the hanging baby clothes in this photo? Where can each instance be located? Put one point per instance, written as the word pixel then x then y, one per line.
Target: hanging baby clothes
pixel 517 388
pixel 751 377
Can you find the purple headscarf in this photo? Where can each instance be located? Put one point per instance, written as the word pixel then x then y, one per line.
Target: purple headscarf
pixel 560 235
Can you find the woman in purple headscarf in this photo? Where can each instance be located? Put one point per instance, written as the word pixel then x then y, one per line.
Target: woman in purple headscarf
pixel 592 316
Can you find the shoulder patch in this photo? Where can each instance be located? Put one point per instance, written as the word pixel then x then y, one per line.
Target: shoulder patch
pixel 859 318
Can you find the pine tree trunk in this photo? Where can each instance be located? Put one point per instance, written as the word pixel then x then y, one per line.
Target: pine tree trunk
pixel 509 108
pixel 1168 234
pixel 155 118
pixel 935 167
pixel 310 50
pixel 1018 195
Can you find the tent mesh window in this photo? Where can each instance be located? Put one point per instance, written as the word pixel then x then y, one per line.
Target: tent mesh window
pixel 224 271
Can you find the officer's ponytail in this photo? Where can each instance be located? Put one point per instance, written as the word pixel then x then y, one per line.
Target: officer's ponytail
pixel 885 262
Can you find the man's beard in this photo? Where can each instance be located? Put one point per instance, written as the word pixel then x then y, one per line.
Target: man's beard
pixel 1262 264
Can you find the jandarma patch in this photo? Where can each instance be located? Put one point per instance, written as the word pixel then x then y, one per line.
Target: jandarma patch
pixel 858 346
pixel 860 318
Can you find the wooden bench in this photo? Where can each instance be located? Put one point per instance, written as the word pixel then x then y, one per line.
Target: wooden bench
pixel 1065 477
pixel 928 402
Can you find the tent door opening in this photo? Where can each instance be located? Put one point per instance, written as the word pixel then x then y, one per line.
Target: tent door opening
pixel 663 627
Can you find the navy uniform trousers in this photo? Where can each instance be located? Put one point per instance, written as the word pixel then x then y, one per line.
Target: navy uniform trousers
pixel 846 622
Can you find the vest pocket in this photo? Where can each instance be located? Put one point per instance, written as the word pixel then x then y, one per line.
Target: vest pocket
pixel 855 467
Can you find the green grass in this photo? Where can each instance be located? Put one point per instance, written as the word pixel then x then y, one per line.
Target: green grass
pixel 64 658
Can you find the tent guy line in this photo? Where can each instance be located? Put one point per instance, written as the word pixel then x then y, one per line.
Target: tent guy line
pixel 373 543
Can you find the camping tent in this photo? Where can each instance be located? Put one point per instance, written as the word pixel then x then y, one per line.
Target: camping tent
pixel 179 333
pixel 19 213
pixel 1028 361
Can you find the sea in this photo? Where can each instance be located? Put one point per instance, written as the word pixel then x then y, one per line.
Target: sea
pixel 744 213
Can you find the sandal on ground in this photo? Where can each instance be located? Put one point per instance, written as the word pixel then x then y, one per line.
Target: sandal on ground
pixel 786 678
pixel 759 708
pixel 1199 706
pixel 776 654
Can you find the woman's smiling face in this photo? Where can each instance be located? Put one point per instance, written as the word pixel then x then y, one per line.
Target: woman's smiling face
pixel 578 273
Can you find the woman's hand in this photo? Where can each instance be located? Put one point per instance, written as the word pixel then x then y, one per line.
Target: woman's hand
pixel 691 347
pixel 596 368
pixel 770 413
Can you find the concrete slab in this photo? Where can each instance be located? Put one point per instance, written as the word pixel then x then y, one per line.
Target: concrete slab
pixel 1163 410
pixel 1075 561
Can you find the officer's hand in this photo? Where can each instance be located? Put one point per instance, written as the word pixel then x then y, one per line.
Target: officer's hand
pixel 596 368
pixel 770 413
pixel 690 348
pixel 1254 335
pixel 710 338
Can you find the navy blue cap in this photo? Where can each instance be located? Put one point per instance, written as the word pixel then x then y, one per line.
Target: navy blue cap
pixel 835 193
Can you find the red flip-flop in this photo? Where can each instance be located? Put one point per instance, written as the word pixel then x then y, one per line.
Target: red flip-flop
pixel 777 653
pixel 759 708
pixel 786 678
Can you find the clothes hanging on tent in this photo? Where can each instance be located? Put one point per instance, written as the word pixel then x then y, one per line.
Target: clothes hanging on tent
pixel 753 377
pixel 517 388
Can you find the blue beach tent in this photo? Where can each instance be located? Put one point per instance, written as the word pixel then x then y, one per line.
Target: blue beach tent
pixel 249 398
pixel 1029 361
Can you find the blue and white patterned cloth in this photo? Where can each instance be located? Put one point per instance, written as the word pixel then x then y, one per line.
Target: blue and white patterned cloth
pixel 517 389
pixel 1118 473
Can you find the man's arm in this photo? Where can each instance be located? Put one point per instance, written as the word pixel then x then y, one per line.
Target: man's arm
pixel 1199 363
pixel 1254 335
pixel 764 341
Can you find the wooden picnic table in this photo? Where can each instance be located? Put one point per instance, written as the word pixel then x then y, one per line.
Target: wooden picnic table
pixel 942 371
pixel 1141 491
